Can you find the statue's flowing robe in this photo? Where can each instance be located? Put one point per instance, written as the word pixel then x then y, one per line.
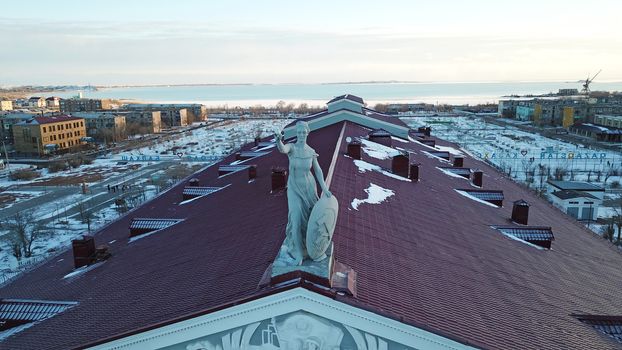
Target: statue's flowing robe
pixel 301 196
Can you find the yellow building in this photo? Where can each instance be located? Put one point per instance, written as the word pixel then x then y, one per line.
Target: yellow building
pixel 568 117
pixel 537 113
pixel 6 105
pixel 40 135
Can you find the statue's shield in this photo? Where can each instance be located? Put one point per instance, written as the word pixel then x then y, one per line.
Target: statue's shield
pixel 321 226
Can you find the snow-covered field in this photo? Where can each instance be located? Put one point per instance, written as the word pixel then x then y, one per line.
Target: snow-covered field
pixel 527 157
pixel 197 147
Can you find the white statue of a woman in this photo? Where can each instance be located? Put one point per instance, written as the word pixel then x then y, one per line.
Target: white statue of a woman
pixel 301 191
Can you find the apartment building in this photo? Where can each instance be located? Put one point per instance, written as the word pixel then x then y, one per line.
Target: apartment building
pixel 83 105
pixel 42 135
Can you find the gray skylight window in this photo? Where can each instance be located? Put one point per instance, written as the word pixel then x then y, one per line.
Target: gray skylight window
pixel 464 172
pixel 228 169
pixel 487 195
pixel 143 227
pixel 539 236
pixel 152 224
pixel 439 154
pixel 609 325
pixel 199 191
pixel 494 197
pixel 252 154
pixel 19 314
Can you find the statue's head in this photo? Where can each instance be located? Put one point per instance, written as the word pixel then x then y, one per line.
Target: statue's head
pixel 302 130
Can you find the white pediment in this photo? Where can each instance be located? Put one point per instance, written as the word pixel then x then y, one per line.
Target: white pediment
pixel 293 319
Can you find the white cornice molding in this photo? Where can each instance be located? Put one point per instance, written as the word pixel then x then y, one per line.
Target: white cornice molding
pixel 347 115
pixel 280 304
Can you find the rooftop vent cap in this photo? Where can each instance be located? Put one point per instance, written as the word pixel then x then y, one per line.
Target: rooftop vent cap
pixel 520 212
pixel 354 149
pixel 458 161
pixel 413 173
pixel 400 164
pixel 279 179
pixel 194 182
pixel 380 136
pixel 426 130
pixel 478 178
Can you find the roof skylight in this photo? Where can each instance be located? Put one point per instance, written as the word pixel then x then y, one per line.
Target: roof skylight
pixel 610 325
pixel 19 314
pixel 539 236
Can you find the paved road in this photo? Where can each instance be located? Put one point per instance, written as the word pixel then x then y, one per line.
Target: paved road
pixel 97 196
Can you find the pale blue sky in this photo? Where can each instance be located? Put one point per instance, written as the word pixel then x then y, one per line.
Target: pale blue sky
pixel 183 41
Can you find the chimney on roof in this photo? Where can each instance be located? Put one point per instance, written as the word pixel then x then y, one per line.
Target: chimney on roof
pixel 478 177
pixel 426 130
pixel 354 149
pixel 381 136
pixel 194 182
pixel 279 179
pixel 414 172
pixel 257 140
pixel 458 162
pixel 83 251
pixel 520 212
pixel 400 164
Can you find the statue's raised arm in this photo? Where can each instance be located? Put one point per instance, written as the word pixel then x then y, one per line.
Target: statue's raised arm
pixel 283 148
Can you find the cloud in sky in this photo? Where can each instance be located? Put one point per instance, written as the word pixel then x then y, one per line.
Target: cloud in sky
pixel 217 45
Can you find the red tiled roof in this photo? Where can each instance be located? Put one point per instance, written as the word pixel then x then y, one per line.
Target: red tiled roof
pixel 52 119
pixel 427 256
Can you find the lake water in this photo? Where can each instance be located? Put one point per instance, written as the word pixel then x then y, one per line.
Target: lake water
pixel 319 94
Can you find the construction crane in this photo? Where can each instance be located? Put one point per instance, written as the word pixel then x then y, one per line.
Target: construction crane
pixel 588 81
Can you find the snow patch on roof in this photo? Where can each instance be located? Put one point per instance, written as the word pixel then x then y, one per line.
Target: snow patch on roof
pixel 82 270
pixel 520 240
pixel 476 199
pixel 451 150
pixel 375 195
pixel 364 167
pixel 395 138
pixel 378 151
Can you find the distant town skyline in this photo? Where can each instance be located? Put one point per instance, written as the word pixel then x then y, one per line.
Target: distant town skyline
pixel 198 42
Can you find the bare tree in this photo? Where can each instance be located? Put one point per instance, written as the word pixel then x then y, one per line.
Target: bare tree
pixel 560 173
pixel 543 174
pixel 611 171
pixel 22 232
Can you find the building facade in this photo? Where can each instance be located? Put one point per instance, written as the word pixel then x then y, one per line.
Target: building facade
pixel 143 122
pixel 175 114
pixel 36 102
pixel 614 121
pixel 6 104
pixel 104 126
pixel 52 102
pixel 83 105
pixel 43 135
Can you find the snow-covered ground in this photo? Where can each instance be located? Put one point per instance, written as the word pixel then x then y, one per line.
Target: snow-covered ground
pixel 524 156
pixel 196 147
